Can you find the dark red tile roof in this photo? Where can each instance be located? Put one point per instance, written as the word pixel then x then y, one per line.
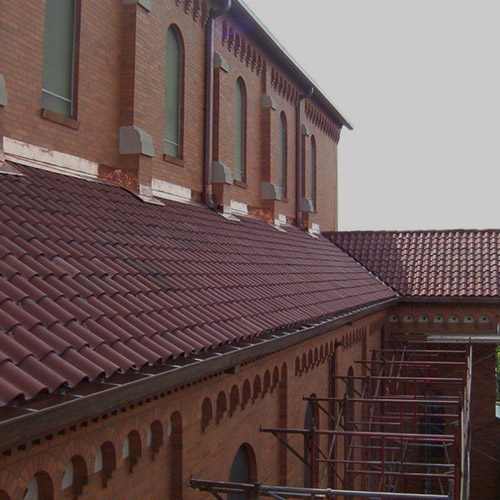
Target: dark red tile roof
pixel 93 281
pixel 457 263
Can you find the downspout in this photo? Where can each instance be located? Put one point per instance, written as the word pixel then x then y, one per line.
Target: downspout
pixel 209 101
pixel 298 147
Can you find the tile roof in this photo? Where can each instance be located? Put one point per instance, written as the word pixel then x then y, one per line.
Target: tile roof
pixel 93 281
pixel 455 263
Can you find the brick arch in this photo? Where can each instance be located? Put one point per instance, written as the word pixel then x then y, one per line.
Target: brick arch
pixel 304 362
pixel 297 365
pixel 156 429
pixel 132 424
pixel 276 377
pixel 134 449
pixel 321 353
pixel 250 462
pixel 206 413
pixel 45 486
pixel 108 434
pixel 316 355
pixel 109 461
pixel 40 463
pixel 77 447
pixel 220 406
pixel 267 381
pixel 79 472
pixel 234 399
pixel 246 393
pixel 257 387
pixel 310 359
pixel 9 484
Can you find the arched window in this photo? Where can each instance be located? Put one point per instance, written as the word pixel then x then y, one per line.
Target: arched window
pixel 312 172
pixel 240 111
pixel 59 57
pixel 242 470
pixel 172 127
pixel 282 154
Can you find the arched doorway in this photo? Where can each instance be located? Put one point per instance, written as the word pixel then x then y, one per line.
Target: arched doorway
pixel 243 469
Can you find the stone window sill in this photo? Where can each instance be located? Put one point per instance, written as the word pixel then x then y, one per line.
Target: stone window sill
pixel 241 184
pixel 60 119
pixel 172 159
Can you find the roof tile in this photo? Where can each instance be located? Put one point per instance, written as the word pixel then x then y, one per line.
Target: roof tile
pixel 426 263
pixel 93 281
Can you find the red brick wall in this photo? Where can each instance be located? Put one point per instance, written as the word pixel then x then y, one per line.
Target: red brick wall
pixel 207 452
pixel 21 39
pixel 484 425
pixel 121 74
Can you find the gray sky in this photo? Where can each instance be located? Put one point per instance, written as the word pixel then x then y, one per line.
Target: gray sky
pixel 420 81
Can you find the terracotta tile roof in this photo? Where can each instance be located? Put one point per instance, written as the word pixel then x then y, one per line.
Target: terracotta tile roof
pixel 458 263
pixel 93 281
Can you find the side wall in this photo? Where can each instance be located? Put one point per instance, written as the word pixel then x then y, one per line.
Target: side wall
pixel 448 319
pixel 120 82
pixel 203 424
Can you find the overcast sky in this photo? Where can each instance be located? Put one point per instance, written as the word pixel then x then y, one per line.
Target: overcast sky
pixel 420 82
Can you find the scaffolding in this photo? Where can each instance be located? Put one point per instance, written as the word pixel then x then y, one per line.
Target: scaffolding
pixel 399 431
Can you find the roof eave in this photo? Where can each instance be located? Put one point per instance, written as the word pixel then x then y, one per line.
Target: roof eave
pixel 277 50
pixel 20 429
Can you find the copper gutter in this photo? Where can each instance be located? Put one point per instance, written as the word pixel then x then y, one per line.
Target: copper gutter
pixel 40 423
pixel 209 102
pixel 298 148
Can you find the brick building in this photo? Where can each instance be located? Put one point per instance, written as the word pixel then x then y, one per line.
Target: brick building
pixel 166 173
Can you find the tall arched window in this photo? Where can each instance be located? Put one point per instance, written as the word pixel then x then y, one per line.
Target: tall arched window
pixel 242 470
pixel 59 57
pixel 312 170
pixel 240 111
pixel 172 127
pixel 283 154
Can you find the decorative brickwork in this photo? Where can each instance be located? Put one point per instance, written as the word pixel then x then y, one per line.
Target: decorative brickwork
pixel 241 48
pixel 320 120
pixel 284 87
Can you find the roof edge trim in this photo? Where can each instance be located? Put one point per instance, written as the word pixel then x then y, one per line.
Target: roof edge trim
pixel 19 430
pixel 294 65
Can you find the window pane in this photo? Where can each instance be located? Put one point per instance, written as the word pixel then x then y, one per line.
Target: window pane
pixel 282 156
pixel 239 134
pixel 57 83
pixel 171 129
pixel 313 171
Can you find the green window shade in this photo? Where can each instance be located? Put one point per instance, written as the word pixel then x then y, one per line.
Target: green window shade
pixel 282 154
pixel 172 116
pixel 239 133
pixel 312 169
pixel 58 56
